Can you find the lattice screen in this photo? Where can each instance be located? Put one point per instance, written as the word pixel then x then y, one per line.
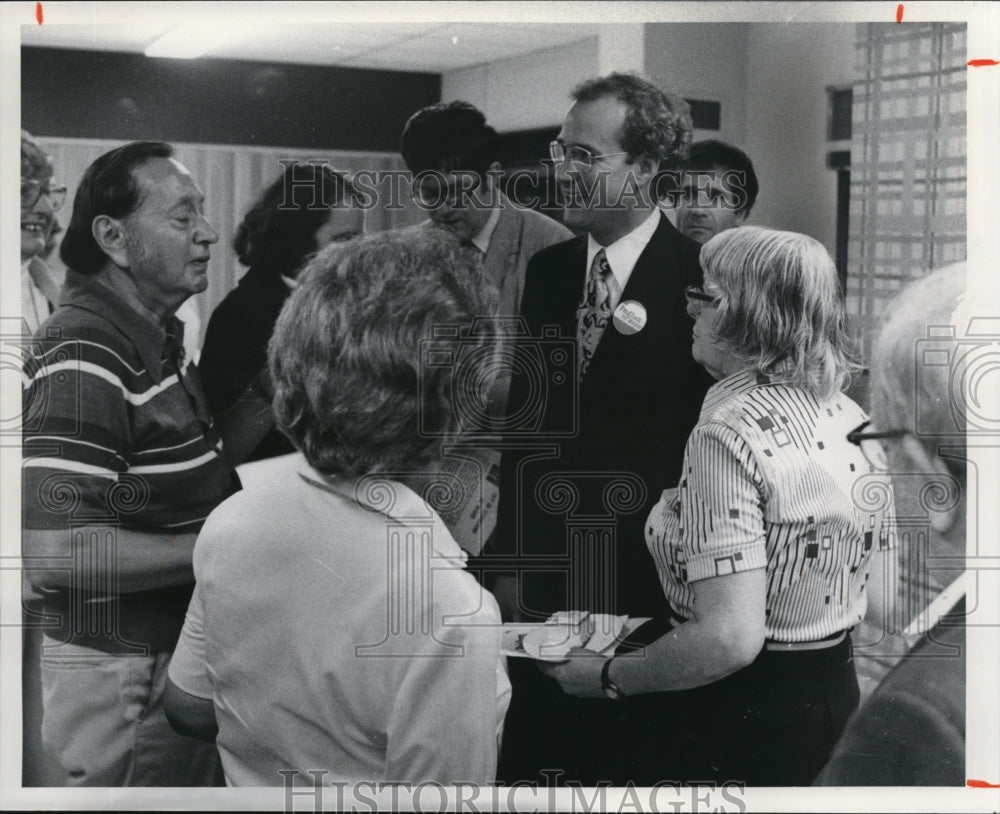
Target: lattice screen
pixel 908 163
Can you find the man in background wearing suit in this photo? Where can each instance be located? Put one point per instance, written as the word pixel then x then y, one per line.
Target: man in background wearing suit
pixel 452 142
pixel 454 157
pixel 607 435
pixel 719 189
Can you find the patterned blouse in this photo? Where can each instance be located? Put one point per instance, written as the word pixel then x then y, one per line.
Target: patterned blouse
pixel 770 481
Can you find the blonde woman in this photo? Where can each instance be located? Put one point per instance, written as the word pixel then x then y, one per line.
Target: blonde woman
pixel 765 549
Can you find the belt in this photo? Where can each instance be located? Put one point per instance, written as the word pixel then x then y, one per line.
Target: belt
pixel 817 644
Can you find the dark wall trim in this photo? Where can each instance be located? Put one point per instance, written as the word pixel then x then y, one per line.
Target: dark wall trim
pixel 88 94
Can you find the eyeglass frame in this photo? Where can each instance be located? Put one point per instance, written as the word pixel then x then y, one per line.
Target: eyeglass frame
pixel 43 188
pixel 699 298
pixel 858 435
pixel 558 147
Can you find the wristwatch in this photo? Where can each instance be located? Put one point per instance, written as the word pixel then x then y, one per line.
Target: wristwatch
pixel 611 690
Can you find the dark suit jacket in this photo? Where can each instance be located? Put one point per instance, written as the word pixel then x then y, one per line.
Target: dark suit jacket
pixel 620 436
pixel 235 348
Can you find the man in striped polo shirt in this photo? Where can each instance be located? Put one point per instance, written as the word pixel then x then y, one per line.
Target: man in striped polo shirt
pixel 122 465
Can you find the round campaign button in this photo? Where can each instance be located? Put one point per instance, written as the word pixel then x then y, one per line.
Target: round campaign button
pixel 630 317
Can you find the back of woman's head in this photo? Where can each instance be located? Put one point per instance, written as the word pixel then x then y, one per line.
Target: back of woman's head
pixel 360 353
pixel 781 307
pixel 278 233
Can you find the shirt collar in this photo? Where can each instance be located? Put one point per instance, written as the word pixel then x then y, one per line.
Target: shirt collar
pixel 151 341
pixel 393 499
pixel 623 254
pixel 734 384
pixel 482 240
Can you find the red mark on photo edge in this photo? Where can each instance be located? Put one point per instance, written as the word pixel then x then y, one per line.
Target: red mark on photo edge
pixel 38 13
pixel 981 784
pixel 982 63
pixel 899 13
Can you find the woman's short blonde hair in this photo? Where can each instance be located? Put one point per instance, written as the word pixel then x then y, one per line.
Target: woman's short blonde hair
pixel 781 307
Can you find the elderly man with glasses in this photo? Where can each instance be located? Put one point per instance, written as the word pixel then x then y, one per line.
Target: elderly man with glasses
pixel 912 729
pixel 40 200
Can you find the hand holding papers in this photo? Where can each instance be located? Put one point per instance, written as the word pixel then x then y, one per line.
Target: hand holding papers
pixel 552 640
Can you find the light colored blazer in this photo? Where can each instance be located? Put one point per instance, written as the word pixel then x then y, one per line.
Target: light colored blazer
pixel 520 233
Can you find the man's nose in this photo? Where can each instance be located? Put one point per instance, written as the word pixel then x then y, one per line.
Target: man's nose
pixel 206 232
pixel 565 172
pixel 43 206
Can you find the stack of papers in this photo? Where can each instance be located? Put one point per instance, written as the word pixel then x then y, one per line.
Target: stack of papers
pixel 553 639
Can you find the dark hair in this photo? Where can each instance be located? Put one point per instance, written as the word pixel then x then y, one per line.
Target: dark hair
pixel 657 124
pixel 712 153
pixel 449 136
pixel 108 188
pixel 278 232
pixel 351 390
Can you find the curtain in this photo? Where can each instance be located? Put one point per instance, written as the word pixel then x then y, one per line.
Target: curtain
pixel 232 177
pixel 908 163
pixel 907 217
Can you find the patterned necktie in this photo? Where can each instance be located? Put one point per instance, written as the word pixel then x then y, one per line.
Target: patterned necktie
pixel 594 311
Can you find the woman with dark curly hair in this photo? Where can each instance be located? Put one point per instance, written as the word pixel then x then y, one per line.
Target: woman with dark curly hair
pixel 303 210
pixel 333 625
pixel 765 550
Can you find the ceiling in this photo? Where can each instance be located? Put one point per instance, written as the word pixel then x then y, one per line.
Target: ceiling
pixel 432 47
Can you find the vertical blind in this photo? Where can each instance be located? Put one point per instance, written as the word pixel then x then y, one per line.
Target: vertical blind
pixel 908 163
pixel 907 209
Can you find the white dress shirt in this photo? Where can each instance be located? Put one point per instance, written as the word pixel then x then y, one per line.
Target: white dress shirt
pixel 34 305
pixel 623 254
pixel 482 240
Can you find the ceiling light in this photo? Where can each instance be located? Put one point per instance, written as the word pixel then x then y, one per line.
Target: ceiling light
pixel 192 41
pixel 454 40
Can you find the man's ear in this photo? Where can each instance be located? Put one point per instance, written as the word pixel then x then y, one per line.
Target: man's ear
pixel 110 236
pixel 647 166
pixel 942 506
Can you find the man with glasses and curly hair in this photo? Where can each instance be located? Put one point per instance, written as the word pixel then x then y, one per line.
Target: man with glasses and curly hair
pixel 616 436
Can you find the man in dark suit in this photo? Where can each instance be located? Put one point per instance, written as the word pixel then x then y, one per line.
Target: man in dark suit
pixel 911 731
pixel 599 438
